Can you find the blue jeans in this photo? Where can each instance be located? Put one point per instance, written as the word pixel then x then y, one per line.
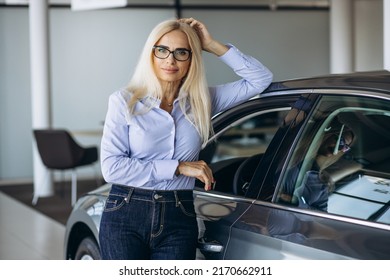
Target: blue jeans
pixel 142 224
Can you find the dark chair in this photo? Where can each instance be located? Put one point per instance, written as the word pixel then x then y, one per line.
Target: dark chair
pixel 59 151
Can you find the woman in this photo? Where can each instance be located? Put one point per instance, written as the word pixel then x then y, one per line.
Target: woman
pixel 153 133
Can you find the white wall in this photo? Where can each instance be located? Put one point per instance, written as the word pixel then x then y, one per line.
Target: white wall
pixel 292 43
pixel 15 111
pixel 93 54
pixel 368 36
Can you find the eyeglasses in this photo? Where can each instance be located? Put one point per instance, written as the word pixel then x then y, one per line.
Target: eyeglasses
pixel 339 145
pixel 343 147
pixel 179 54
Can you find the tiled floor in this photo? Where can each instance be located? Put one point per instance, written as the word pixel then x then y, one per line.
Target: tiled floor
pixel 26 234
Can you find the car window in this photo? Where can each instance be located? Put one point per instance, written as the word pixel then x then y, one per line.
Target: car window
pixel 248 136
pixel 341 164
pixel 243 140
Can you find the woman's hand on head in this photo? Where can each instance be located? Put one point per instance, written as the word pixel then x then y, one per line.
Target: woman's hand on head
pixel 197 169
pixel 207 41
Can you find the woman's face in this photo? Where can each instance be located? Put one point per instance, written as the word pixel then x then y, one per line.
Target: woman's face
pixel 170 69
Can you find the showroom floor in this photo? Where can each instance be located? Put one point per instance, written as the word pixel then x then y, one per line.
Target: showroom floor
pixel 26 234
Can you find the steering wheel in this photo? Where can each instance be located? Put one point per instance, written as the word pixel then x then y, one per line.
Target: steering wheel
pixel 244 174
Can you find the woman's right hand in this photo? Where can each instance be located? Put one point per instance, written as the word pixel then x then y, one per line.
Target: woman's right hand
pixel 208 43
pixel 197 169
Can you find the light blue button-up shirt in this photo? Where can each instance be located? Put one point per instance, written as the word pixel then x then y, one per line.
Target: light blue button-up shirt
pixel 144 150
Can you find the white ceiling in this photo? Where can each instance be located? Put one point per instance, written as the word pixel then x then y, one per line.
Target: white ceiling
pixel 271 3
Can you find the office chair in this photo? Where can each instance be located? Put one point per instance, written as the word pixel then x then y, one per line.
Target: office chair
pixel 59 151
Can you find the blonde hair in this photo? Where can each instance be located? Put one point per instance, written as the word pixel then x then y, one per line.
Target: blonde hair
pixel 144 81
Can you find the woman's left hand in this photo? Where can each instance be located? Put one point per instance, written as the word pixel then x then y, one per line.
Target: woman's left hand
pixel 207 41
pixel 197 169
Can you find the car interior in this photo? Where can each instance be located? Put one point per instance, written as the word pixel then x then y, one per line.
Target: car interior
pixel 362 183
pixel 359 179
pixel 236 151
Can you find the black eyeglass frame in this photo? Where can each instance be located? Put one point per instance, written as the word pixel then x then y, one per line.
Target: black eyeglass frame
pixel 172 52
pixel 341 144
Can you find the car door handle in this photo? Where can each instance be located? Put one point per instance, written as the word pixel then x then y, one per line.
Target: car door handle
pixel 209 246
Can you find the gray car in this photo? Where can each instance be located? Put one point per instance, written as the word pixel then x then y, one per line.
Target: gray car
pixel 302 172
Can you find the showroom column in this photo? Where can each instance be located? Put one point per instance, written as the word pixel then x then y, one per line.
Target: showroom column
pixel 386 34
pixel 40 89
pixel 341 36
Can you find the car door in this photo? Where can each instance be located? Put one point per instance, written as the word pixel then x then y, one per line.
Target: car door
pixel 242 136
pixel 250 236
pixel 323 207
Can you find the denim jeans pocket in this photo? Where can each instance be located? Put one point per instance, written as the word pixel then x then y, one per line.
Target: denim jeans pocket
pixel 117 197
pixel 187 207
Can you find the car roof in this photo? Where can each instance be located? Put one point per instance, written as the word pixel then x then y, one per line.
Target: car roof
pixel 372 81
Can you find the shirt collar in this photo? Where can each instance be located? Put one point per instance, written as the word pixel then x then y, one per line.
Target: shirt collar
pixel 151 101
